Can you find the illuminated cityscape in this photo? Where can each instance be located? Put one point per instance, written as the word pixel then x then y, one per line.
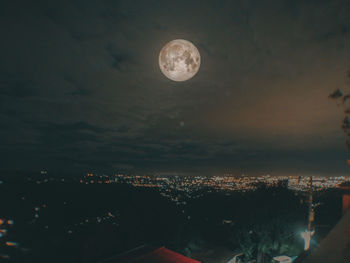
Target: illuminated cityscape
pixel 172 186
pixel 42 215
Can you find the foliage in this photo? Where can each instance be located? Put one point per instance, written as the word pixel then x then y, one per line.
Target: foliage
pixel 269 233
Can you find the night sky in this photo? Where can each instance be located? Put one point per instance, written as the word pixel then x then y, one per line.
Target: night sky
pixel 81 89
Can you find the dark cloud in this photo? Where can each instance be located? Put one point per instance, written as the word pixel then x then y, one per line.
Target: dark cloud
pixel 336 94
pixel 14 87
pixel 120 59
pixel 80 85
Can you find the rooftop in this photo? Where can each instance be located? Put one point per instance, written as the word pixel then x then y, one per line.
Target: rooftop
pixel 146 254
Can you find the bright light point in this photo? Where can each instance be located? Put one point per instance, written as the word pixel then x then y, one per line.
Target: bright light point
pixel 306 235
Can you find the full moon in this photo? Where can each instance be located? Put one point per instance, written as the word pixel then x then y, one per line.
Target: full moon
pixel 179 60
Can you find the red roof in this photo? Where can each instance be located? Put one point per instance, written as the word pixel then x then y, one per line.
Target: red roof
pixel 147 255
